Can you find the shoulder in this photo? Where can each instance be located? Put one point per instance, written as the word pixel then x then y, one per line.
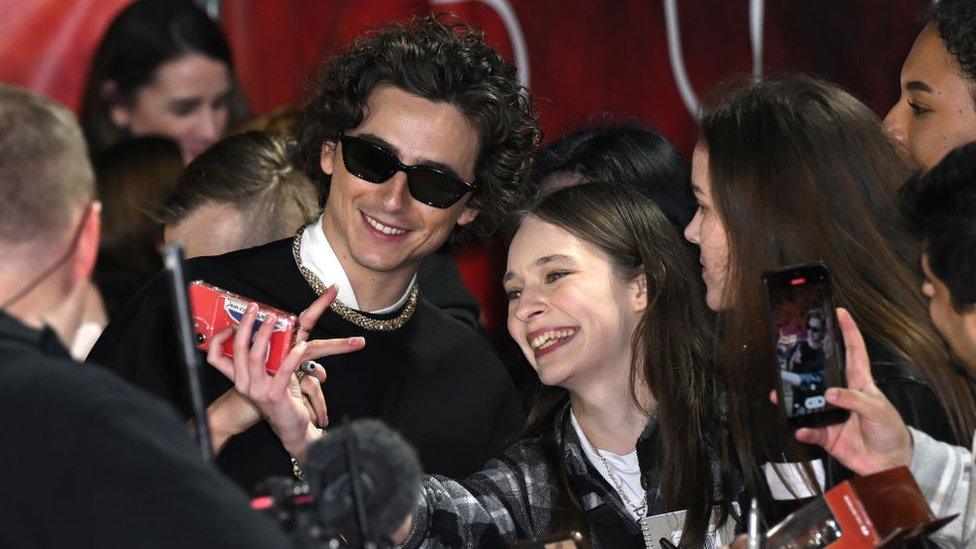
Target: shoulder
pixel 78 390
pixel 451 334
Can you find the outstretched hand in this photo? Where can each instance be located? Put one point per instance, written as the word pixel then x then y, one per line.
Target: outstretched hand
pixel 874 437
pixel 296 418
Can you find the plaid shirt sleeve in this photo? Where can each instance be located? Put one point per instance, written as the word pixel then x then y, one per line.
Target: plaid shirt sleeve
pixel 509 499
pixel 944 473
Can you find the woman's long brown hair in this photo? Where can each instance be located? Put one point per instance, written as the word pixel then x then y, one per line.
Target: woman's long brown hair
pixel 801 171
pixel 670 349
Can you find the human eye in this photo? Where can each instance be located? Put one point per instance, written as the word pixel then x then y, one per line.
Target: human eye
pixel 555 275
pixel 512 294
pixel 184 107
pixel 918 109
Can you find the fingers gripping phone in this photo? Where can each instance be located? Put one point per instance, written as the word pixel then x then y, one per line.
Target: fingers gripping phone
pixel 809 349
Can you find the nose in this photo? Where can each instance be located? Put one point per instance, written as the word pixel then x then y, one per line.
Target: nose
pixel 396 193
pixel 210 126
pixel 894 122
pixel 530 305
pixel 693 230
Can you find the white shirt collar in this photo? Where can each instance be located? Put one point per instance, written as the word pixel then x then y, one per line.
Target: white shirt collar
pixel 319 257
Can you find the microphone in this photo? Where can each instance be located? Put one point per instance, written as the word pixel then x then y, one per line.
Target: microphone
pixel 365 481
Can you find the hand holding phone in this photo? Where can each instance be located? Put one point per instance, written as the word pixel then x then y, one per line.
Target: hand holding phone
pixel 874 438
pixel 214 309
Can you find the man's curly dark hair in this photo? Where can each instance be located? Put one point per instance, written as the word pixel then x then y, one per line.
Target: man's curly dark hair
pixel 444 62
pixel 956 22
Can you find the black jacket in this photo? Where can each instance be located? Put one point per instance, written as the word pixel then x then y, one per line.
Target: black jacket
pixel 88 461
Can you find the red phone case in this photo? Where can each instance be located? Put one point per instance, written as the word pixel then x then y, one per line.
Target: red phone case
pixel 214 309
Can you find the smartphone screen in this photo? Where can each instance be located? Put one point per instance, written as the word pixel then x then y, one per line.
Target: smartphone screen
pixel 809 350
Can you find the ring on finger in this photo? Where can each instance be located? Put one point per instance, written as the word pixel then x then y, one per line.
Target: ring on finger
pixel 300 374
pixel 304 330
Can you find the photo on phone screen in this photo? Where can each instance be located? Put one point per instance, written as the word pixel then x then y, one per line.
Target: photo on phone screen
pixel 809 351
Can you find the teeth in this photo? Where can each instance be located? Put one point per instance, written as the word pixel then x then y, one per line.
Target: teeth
pixel 549 338
pixel 385 229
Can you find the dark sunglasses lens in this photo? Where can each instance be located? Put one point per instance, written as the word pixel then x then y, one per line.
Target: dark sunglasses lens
pixel 367 161
pixel 435 188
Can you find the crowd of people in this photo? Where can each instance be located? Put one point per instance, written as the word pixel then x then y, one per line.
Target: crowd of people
pixel 637 377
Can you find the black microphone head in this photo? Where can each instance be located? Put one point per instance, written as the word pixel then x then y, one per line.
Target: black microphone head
pixel 389 478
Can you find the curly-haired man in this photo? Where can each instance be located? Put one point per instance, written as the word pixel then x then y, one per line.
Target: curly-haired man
pixel 937 108
pixel 414 133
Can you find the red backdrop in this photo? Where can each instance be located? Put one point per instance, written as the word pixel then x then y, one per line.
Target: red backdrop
pixel 582 57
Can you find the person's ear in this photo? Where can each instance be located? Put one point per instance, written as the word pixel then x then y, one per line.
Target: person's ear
pixel 468 214
pixel 118 111
pixel 327 156
pixel 638 298
pixel 86 252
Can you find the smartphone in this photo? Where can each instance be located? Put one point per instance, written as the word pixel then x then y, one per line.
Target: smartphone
pixel 214 309
pixel 809 349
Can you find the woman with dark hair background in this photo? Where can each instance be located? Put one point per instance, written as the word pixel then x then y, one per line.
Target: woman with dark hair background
pixel 162 68
pixel 795 171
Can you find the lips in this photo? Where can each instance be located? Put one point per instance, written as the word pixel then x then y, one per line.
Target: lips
pixel 546 340
pixel 383 229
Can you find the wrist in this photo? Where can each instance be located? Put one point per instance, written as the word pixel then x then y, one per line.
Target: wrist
pixel 297 446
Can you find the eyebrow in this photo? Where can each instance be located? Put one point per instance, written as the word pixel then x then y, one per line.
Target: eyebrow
pixel 375 139
pixel 918 86
pixel 540 262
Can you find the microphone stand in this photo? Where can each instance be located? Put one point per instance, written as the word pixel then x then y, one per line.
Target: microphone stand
pixel 173 262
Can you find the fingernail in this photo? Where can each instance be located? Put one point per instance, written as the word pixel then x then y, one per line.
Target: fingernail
pixel 357 339
pixel 251 307
pixel 831 395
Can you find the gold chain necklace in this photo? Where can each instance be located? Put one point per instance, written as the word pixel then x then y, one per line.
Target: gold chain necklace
pixel 347 313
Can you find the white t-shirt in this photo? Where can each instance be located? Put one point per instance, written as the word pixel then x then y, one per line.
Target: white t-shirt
pixel 626 468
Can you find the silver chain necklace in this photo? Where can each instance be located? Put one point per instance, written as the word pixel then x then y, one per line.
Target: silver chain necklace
pixel 639 510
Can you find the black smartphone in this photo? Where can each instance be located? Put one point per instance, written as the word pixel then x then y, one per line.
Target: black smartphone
pixel 809 348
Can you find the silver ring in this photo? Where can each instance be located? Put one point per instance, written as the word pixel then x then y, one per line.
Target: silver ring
pixel 300 374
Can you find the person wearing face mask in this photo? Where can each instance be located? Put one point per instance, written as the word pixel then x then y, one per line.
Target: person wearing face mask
pixel 937 108
pixel 606 306
pixel 163 68
pixel 791 172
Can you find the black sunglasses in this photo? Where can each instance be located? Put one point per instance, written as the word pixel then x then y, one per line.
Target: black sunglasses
pixel 371 162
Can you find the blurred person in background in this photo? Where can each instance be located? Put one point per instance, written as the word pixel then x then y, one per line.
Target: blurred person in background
pixel 162 68
pixel 632 154
pixel 242 192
